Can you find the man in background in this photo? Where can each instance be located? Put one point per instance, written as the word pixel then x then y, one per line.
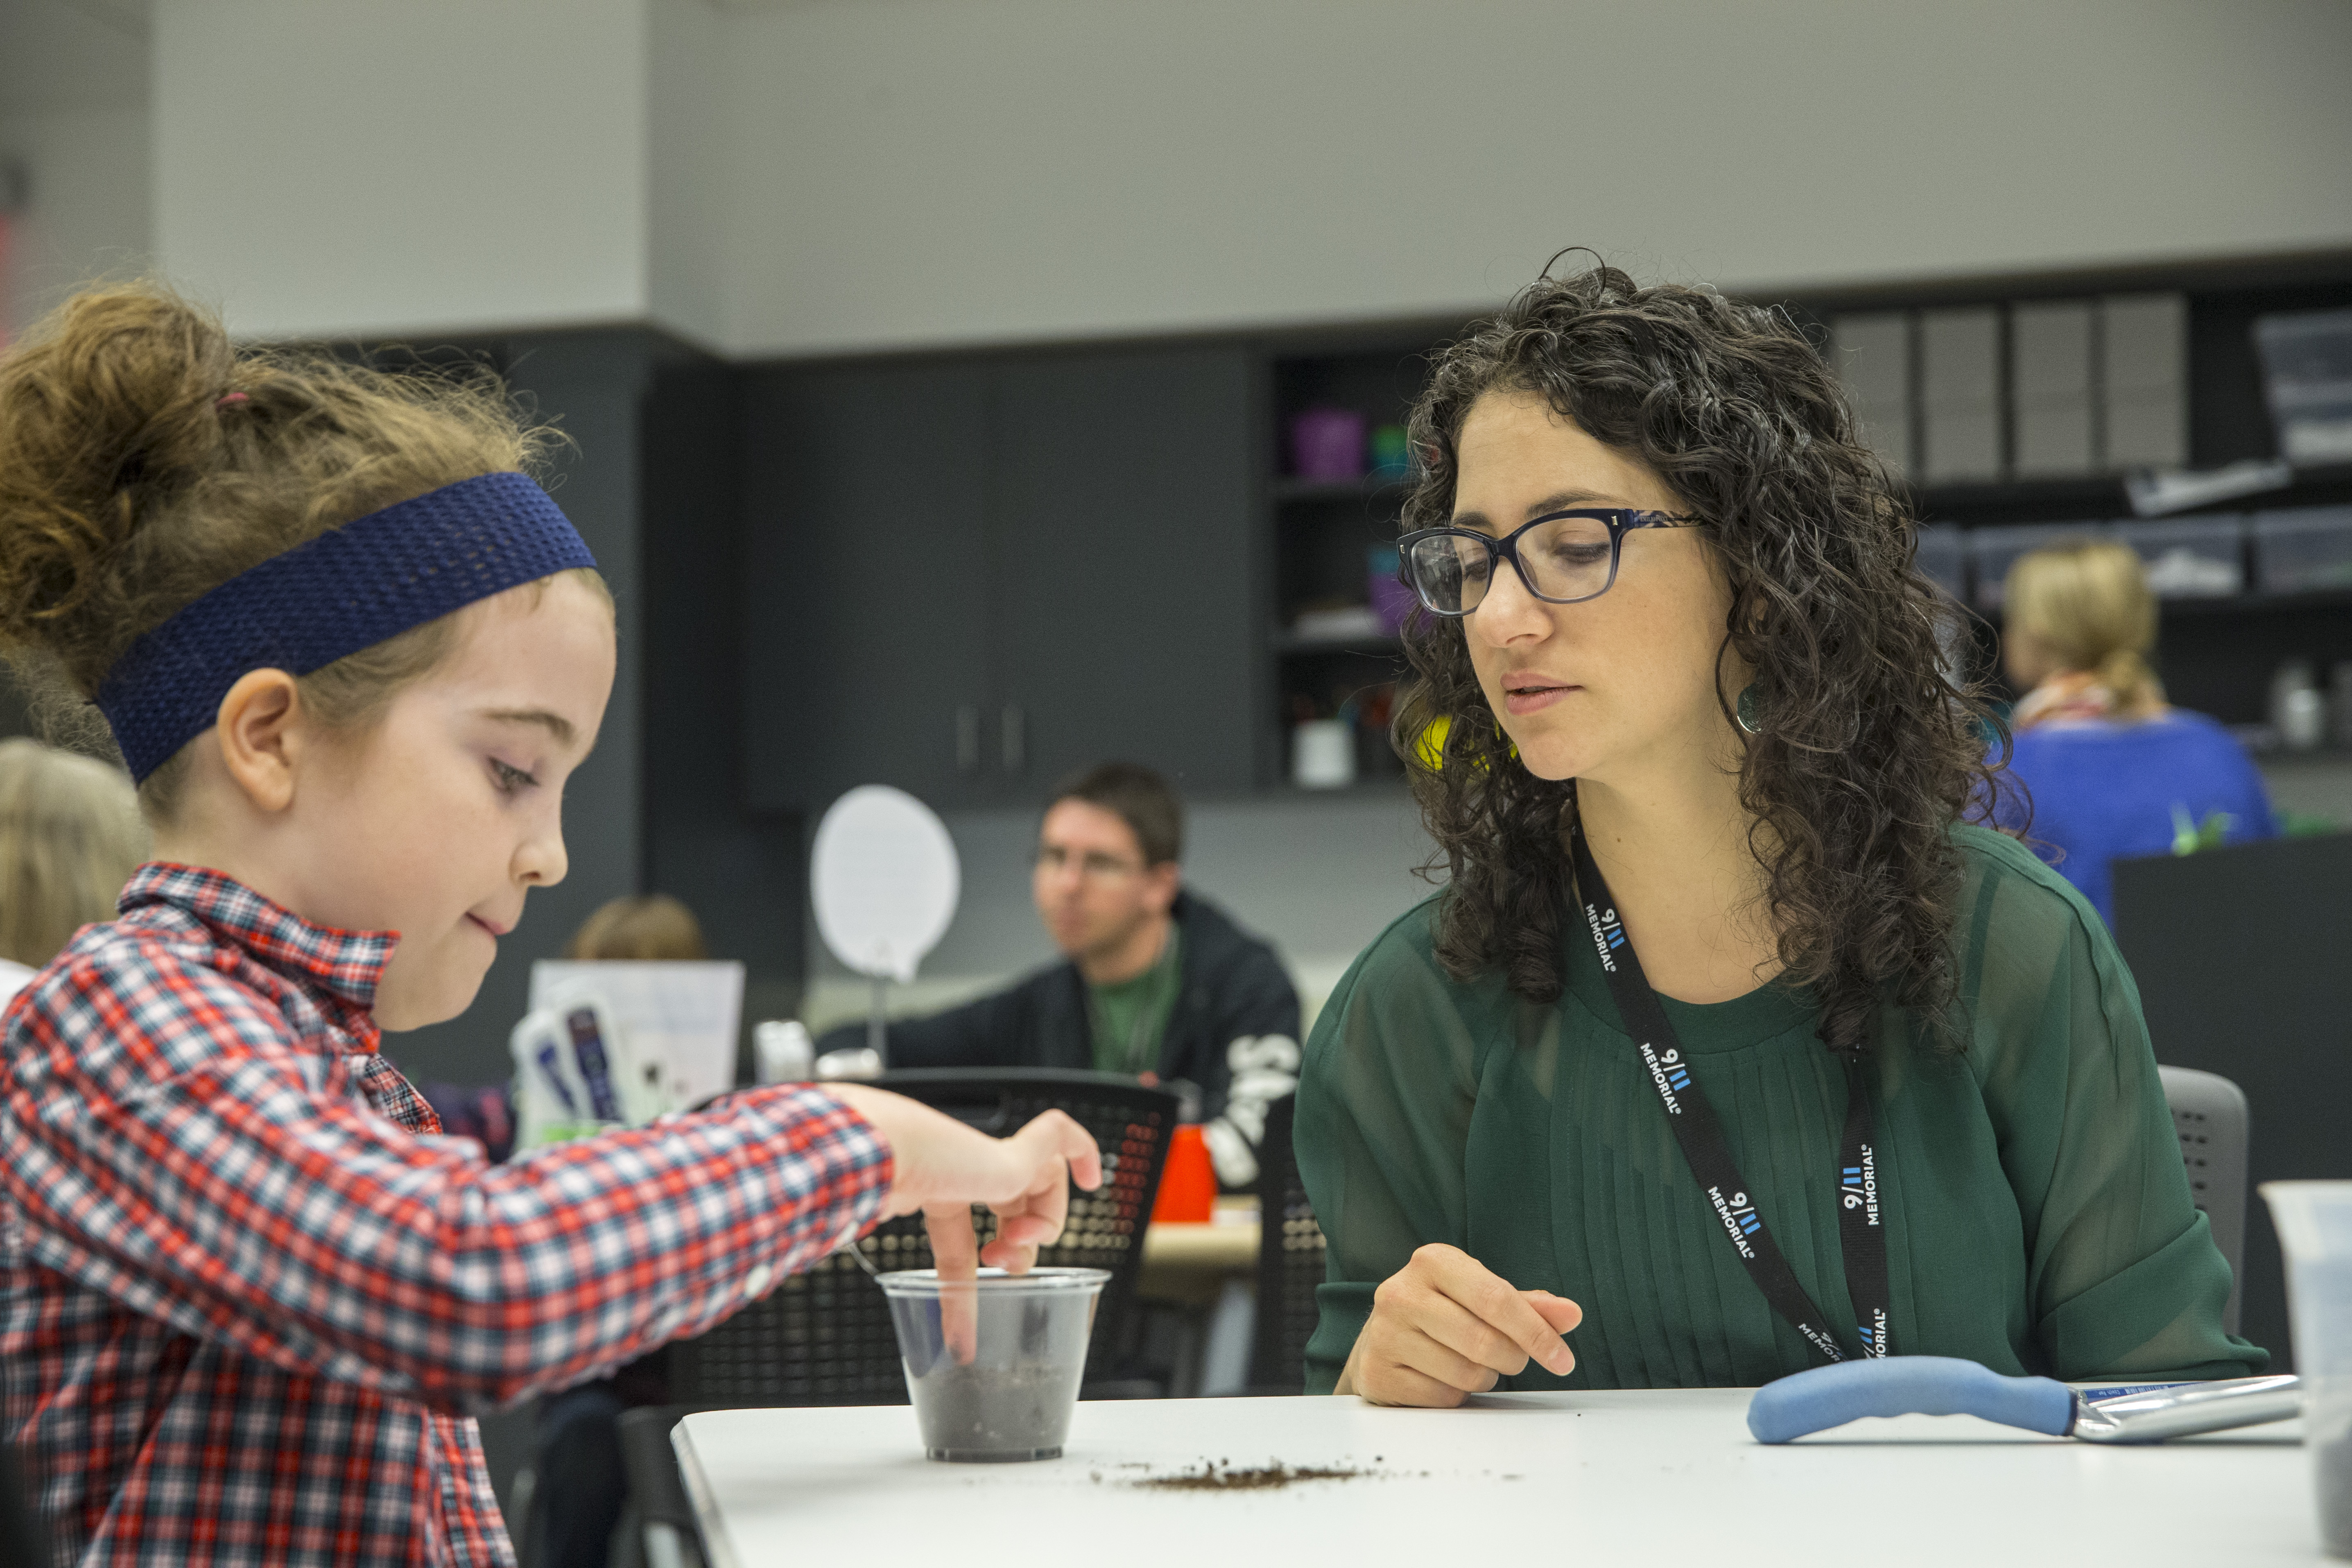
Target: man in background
pixel 1156 982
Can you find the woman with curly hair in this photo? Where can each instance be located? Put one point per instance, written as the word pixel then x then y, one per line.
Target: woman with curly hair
pixel 1730 1045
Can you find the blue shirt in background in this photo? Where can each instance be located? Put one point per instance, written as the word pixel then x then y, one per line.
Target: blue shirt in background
pixel 2103 791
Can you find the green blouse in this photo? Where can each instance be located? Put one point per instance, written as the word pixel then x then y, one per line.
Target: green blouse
pixel 2038 1217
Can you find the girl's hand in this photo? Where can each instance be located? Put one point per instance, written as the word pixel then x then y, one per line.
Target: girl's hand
pixel 941 1167
pixel 1445 1327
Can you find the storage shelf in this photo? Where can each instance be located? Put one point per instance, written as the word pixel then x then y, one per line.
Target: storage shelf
pixel 2099 494
pixel 2224 648
pixel 2101 497
pixel 2242 604
pixel 1289 643
pixel 2227 604
pixel 1383 787
pixel 1289 488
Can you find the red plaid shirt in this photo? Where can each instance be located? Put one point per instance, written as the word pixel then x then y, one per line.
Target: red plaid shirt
pixel 246 1289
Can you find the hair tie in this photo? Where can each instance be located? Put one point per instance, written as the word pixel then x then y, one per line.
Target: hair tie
pixel 225 402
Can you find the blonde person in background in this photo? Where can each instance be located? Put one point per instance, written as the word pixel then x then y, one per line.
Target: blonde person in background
pixel 69 838
pixel 2111 770
pixel 655 929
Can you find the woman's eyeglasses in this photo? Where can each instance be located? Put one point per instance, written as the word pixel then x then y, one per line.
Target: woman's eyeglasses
pixel 1562 557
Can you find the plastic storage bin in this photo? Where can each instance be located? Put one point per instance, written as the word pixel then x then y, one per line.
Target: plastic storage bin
pixel 2307 375
pixel 2191 557
pixel 1944 558
pixel 2303 549
pixel 1992 551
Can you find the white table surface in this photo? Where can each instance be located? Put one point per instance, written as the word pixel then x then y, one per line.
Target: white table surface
pixel 1656 1476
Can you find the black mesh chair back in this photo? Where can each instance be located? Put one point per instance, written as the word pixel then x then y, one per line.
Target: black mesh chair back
pixel 824 1337
pixel 1290 1250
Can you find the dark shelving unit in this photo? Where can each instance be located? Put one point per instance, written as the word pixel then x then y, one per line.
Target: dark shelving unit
pixel 1290 488
pixel 1297 644
pixel 2216 654
pixel 1324 531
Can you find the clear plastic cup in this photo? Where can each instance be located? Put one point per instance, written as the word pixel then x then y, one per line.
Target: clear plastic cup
pixel 992 1364
pixel 2314 1228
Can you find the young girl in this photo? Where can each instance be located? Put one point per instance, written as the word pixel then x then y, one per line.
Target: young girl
pixel 249 1294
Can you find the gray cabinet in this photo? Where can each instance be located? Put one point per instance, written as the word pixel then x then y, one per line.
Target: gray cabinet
pixel 865 625
pixel 970 578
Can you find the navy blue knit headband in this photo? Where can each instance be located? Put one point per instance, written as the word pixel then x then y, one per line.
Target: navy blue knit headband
pixel 349 588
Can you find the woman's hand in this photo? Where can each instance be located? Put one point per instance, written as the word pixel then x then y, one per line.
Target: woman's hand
pixel 941 1167
pixel 1445 1327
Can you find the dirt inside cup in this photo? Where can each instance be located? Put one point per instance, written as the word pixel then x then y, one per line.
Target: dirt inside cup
pixel 992 1364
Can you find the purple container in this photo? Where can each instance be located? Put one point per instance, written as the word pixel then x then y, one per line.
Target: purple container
pixel 1328 444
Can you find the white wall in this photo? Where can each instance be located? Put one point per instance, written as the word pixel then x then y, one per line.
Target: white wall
pixel 73 114
pixel 687 193
pixel 803 176
pixel 87 213
pixel 403 165
pixel 916 171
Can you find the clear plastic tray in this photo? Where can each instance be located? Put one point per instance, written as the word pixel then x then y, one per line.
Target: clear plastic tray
pixel 2303 549
pixel 2191 557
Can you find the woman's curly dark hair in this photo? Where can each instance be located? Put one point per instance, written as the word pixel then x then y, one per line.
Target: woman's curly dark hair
pixel 1868 750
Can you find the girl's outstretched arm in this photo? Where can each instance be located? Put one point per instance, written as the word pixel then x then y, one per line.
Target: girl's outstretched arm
pixel 172 1147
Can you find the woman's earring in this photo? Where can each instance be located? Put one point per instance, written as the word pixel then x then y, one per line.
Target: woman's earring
pixel 1745 710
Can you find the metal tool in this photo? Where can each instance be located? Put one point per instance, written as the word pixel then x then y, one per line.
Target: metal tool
pixel 1829 1396
pixel 2154 1415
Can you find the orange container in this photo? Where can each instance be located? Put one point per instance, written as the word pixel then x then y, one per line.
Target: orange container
pixel 1188 1183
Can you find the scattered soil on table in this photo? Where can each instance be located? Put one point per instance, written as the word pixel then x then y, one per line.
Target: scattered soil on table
pixel 1216 1476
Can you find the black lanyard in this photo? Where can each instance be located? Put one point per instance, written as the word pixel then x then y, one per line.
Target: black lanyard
pixel 1862 1238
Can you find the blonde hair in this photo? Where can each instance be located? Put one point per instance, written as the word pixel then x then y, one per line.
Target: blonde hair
pixel 69 838
pixel 2086 602
pixel 144 459
pixel 655 927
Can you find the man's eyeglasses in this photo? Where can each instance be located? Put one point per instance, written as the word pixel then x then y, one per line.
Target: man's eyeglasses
pixel 1563 557
pixel 1093 866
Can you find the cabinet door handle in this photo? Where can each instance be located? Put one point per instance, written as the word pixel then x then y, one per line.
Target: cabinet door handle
pixel 1013 727
pixel 967 722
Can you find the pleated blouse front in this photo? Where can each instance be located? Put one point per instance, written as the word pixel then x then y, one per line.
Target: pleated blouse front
pixel 2038 1217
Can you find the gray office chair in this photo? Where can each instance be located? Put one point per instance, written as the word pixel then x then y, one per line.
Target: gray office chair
pixel 2209 1113
pixel 23 1537
pixel 658 1528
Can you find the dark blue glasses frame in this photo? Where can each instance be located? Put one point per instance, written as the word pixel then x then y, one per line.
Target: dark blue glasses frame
pixel 1619 520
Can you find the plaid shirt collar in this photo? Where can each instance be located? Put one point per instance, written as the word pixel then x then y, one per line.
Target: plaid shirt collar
pixel 344 965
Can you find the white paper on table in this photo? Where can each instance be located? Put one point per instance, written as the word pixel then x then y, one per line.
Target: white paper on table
pixel 684 1015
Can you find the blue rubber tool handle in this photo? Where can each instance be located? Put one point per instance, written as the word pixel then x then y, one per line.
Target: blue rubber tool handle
pixel 1830 1396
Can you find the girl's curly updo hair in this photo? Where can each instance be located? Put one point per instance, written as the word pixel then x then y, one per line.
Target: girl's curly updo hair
pixel 1868 751
pixel 145 459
